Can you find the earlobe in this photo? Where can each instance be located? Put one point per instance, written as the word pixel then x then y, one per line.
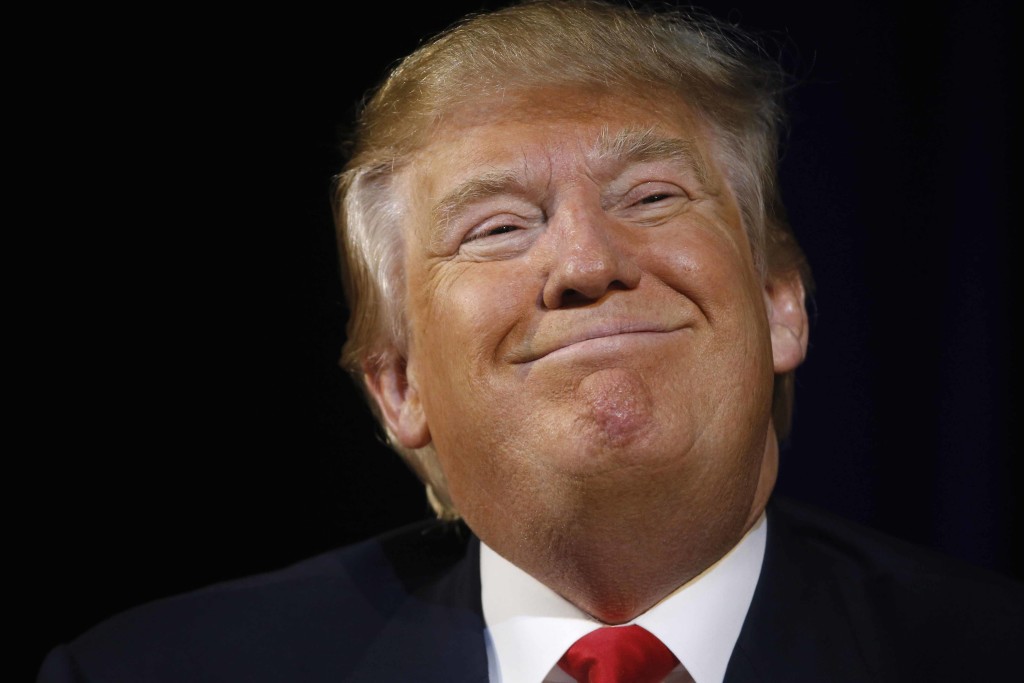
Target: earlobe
pixel 787 318
pixel 387 379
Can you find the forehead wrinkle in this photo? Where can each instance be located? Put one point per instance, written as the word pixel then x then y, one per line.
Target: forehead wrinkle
pixel 638 145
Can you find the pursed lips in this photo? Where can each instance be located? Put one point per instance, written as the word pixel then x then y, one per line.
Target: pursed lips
pixel 578 335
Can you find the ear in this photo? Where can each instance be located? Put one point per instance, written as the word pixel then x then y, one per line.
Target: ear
pixel 387 379
pixel 787 319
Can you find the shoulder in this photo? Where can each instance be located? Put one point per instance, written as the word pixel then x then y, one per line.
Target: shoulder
pixel 321 613
pixel 904 610
pixel 871 558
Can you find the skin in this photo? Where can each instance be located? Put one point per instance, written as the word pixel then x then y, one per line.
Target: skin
pixel 591 348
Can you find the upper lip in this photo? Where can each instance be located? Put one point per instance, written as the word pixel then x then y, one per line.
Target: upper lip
pixel 543 345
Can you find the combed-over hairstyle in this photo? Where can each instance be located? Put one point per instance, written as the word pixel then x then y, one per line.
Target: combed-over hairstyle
pixel 720 73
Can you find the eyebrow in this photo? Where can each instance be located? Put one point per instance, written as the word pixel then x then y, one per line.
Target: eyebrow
pixel 639 145
pixel 482 186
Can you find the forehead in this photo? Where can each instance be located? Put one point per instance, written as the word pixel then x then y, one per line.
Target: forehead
pixel 544 132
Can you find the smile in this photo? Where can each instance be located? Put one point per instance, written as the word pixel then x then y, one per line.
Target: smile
pixel 600 340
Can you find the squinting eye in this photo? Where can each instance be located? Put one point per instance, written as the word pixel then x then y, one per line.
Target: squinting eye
pixel 652 198
pixel 497 230
pixel 501 229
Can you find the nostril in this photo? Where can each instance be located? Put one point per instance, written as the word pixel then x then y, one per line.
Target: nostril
pixel 619 284
pixel 575 297
pixel 572 297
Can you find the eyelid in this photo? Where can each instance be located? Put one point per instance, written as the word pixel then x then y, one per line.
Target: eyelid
pixel 479 245
pixel 482 228
pixel 653 187
pixel 477 234
pixel 474 218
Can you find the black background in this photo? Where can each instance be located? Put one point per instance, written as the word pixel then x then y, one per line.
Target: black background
pixel 178 415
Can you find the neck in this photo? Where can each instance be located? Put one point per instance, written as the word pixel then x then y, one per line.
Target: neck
pixel 615 562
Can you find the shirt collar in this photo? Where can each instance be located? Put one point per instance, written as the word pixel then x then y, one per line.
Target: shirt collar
pixel 529 626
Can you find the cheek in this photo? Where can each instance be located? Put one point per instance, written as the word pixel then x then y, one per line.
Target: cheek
pixel 462 320
pixel 472 311
pixel 709 269
pixel 718 276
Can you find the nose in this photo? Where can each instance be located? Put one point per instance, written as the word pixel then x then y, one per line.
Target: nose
pixel 590 258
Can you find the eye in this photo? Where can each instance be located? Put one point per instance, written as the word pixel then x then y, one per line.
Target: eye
pixel 652 193
pixel 501 230
pixel 653 198
pixel 492 232
pixel 499 227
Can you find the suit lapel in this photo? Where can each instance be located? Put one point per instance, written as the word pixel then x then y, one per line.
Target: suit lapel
pixel 799 627
pixel 437 633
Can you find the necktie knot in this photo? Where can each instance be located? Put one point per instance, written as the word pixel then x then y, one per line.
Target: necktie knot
pixel 618 654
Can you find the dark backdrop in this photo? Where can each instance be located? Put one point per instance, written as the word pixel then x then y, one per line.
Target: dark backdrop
pixel 180 415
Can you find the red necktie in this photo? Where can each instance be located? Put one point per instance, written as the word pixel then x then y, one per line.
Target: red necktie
pixel 618 654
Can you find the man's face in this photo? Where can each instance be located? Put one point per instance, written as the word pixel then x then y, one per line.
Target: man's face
pixel 588 333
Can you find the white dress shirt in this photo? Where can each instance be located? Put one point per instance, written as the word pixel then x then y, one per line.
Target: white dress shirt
pixel 529 626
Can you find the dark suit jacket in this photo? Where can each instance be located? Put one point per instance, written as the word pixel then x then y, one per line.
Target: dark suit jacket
pixel 835 602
